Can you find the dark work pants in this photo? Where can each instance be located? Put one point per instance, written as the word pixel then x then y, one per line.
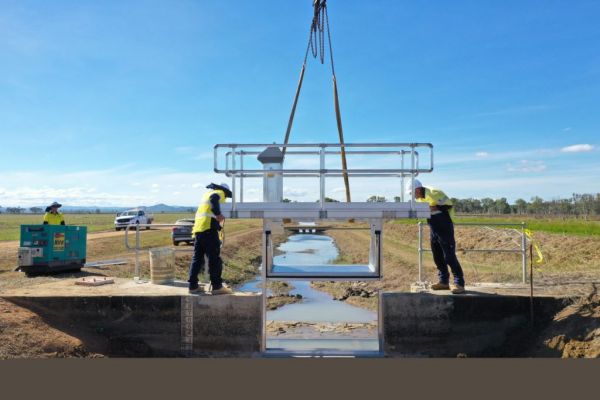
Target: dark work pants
pixel 207 244
pixel 443 247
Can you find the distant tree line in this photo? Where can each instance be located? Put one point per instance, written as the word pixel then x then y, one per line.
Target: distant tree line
pixel 40 210
pixel 578 205
pixel 585 204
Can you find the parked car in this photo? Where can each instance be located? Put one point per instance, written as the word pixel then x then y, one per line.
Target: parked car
pixel 182 232
pixel 132 217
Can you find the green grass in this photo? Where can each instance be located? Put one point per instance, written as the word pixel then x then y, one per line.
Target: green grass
pixel 567 226
pixel 10 223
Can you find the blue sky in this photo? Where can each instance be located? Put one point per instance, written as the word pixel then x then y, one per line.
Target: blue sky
pixel 120 102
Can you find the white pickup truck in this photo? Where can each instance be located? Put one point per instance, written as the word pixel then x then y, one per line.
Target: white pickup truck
pixel 132 217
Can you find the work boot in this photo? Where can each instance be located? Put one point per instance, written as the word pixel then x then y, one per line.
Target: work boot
pixel 440 286
pixel 222 290
pixel 458 289
pixel 197 290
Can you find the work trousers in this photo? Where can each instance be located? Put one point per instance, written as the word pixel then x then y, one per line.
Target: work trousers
pixel 443 247
pixel 207 244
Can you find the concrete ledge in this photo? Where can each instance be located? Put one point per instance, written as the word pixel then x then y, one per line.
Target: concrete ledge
pixel 151 326
pixel 227 324
pixel 432 325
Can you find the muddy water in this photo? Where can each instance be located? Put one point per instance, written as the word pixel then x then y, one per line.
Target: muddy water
pixel 317 306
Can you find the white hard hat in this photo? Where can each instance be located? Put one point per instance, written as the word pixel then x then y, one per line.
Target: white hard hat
pixel 410 188
pixel 224 185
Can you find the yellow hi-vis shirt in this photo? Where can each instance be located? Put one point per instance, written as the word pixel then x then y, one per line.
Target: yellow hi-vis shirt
pixel 204 213
pixel 54 219
pixel 435 197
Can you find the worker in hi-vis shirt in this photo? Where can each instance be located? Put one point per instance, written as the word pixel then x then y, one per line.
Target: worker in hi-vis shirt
pixel 441 227
pixel 53 216
pixel 207 224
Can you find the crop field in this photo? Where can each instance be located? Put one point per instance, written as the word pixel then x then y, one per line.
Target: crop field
pixel 563 225
pixel 10 223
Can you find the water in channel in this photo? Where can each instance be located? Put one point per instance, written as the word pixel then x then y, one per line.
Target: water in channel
pixel 316 306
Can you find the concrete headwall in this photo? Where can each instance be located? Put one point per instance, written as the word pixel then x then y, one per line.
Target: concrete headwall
pixel 423 324
pixel 151 326
pixel 227 324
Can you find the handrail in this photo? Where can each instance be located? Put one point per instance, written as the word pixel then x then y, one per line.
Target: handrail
pixel 408 166
pixel 137 247
pixel 521 250
pixel 324 171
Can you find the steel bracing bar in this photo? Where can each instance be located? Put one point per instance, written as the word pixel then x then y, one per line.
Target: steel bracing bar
pixel 522 250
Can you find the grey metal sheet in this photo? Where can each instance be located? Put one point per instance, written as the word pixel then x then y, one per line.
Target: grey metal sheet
pixel 323 271
pixel 342 211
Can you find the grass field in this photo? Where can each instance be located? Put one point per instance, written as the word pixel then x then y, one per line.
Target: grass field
pixel 241 253
pixel 10 223
pixel 567 226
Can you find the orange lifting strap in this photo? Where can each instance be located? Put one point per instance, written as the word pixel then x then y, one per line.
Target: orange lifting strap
pixel 316 45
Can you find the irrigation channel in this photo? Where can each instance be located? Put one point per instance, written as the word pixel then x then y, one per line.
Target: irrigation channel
pixel 317 322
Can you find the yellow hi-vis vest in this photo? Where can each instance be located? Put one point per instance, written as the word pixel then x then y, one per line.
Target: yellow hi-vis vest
pixel 54 219
pixel 435 197
pixel 204 213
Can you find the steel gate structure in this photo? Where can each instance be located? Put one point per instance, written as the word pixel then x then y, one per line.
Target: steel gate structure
pixel 384 161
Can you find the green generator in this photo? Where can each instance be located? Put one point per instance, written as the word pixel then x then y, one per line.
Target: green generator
pixel 52 248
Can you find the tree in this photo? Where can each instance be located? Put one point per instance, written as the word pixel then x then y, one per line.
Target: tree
pixel 487 205
pixel 14 210
pixel 521 206
pixel 376 199
pixel 330 200
pixel 536 206
pixel 286 200
pixel 397 199
pixel 501 206
pixel 36 210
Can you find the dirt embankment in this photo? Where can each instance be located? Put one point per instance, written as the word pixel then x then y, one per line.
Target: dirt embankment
pixel 24 334
pixel 568 260
pixel 574 331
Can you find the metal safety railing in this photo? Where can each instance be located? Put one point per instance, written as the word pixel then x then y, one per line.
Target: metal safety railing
pixel 233 157
pixel 137 247
pixel 522 250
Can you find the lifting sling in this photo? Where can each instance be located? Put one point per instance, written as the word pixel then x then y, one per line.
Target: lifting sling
pixel 316 45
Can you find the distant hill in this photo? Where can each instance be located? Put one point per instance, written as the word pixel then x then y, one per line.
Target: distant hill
pixel 160 208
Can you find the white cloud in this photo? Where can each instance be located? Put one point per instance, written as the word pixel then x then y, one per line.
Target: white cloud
pixel 567 129
pixel 482 154
pixel 294 192
pixel 527 166
pixel 577 148
pixel 110 187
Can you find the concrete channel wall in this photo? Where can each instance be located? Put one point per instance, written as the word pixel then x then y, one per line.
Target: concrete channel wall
pixel 431 325
pixel 155 326
pixel 414 324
